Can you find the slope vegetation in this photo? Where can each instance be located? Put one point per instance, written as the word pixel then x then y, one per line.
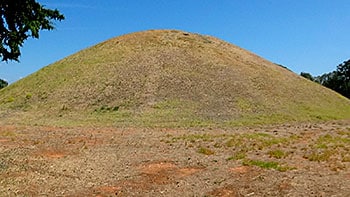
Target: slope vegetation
pixel 167 78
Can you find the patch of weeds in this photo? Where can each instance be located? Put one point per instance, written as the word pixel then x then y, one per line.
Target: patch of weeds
pixel 332 141
pixel 195 137
pixel 265 140
pixel 64 107
pixel 267 165
pixel 237 156
pixel 257 135
pixel 319 155
pixel 234 142
pixel 106 108
pixel 343 132
pixel 345 158
pixel 278 154
pixel 256 141
pixel 217 145
pixel 262 164
pixel 205 151
pixel 43 95
pixel 28 96
pixel 10 99
pixel 337 166
pixel 167 104
pixel 8 133
pixel 328 147
pixel 3 165
pixel 205 39
pixel 244 104
pixel 321 145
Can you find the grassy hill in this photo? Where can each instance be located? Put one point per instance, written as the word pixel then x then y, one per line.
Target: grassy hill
pixel 167 78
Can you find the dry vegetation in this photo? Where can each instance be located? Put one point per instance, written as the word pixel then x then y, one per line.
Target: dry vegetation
pixel 285 160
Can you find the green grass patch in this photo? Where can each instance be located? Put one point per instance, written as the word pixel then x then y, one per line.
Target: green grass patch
pixel 237 156
pixel 267 165
pixel 278 154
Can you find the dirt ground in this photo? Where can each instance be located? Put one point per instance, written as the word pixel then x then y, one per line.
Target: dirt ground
pixel 286 160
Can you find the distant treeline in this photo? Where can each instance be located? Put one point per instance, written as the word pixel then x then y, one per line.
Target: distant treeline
pixel 338 80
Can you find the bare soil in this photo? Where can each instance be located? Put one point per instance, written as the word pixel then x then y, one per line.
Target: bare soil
pixel 312 160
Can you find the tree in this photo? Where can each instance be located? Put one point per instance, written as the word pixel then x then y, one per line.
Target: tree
pixel 343 71
pixel 3 83
pixel 330 80
pixel 338 80
pixel 307 76
pixel 21 19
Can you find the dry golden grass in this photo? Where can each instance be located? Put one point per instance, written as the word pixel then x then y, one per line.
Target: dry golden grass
pixel 167 78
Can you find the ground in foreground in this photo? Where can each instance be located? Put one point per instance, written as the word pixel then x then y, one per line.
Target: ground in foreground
pixel 286 160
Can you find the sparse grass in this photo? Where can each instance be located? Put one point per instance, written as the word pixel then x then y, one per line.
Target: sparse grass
pixel 205 151
pixel 240 146
pixel 278 154
pixel 320 155
pixel 196 137
pixel 106 108
pixel 329 147
pixel 237 156
pixel 267 165
pixel 345 158
pixel 3 165
pixel 256 141
pixel 7 133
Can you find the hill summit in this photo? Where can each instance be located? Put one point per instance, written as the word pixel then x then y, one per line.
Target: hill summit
pixel 167 78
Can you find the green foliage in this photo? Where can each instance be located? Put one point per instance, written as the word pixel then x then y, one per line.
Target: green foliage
pixel 343 71
pixel 3 83
pixel 19 20
pixel 307 76
pixel 28 95
pixel 330 80
pixel 338 80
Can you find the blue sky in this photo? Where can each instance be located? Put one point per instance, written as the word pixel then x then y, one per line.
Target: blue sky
pixel 304 35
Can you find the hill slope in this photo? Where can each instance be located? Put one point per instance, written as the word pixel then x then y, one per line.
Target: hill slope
pixel 167 78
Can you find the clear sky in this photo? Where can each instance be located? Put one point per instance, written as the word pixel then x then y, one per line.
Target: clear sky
pixel 304 35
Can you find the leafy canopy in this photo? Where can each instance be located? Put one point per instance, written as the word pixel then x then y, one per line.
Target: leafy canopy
pixel 338 80
pixel 19 20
